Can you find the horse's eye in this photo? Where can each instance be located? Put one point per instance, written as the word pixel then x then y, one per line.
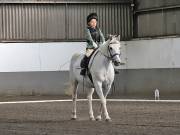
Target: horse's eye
pixel 110 48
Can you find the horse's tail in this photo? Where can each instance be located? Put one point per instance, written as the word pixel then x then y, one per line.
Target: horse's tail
pixel 71 74
pixel 73 60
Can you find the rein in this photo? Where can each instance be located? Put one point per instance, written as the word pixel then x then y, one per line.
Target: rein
pixel 94 55
pixel 111 55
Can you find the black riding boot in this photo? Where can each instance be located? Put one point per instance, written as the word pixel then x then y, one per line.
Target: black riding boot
pixel 116 71
pixel 83 72
pixel 84 65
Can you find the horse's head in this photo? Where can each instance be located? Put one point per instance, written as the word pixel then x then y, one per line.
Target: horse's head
pixel 114 49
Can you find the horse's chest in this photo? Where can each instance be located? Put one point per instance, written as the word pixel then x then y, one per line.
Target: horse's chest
pixel 107 77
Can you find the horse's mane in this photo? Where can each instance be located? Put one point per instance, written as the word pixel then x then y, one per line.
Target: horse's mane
pixel 104 48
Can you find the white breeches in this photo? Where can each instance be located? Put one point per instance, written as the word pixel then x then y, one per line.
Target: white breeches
pixel 89 52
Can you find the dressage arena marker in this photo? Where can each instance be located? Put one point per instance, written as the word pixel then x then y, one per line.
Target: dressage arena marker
pixel 69 100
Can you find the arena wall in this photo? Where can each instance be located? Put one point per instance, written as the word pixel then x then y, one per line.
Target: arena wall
pixel 42 68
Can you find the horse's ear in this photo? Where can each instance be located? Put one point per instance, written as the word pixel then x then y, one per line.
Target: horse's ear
pixel 110 36
pixel 119 37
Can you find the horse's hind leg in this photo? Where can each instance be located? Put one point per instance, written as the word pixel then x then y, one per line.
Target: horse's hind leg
pixel 74 98
pixel 89 97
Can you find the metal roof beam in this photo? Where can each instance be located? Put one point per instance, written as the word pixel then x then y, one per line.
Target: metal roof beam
pixel 65 1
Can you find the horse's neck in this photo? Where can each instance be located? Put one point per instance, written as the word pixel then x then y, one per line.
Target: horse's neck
pixel 104 55
pixel 104 49
pixel 101 63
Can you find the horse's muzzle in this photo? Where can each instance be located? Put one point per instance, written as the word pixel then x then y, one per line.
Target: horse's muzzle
pixel 117 63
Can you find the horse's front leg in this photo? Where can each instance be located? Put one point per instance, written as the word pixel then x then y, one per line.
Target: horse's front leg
pixel 98 118
pixel 106 91
pixel 98 86
pixel 89 97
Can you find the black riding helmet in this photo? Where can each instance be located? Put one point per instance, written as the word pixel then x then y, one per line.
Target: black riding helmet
pixel 92 16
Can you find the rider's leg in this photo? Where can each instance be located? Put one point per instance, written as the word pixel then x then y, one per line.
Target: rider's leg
pixel 85 61
pixel 116 71
pixel 84 65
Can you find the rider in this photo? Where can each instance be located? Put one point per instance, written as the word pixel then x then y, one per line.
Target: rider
pixel 94 38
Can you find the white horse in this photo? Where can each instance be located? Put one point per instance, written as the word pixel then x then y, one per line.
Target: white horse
pixel 102 71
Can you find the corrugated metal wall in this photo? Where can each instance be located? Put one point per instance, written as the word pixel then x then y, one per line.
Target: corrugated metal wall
pixel 32 22
pixel 62 21
pixel 113 19
pixel 157 18
pixel 147 4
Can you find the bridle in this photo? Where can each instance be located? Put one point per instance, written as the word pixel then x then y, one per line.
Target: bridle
pixel 111 57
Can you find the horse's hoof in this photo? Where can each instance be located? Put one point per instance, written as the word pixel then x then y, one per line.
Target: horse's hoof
pixel 73 118
pixel 98 118
pixel 92 119
pixel 108 120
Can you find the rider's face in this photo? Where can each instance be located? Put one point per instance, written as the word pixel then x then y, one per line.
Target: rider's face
pixel 93 23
